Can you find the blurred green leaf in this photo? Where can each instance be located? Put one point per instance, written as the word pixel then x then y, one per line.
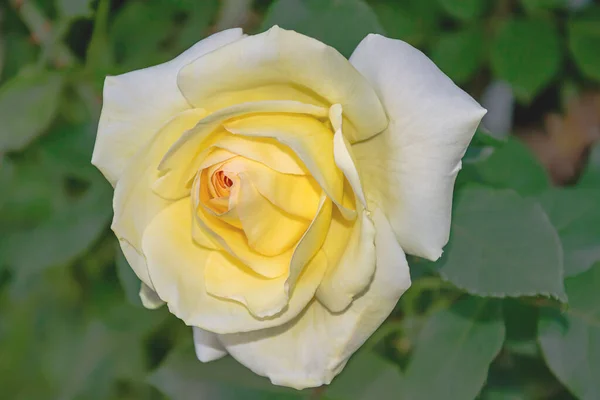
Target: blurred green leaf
pixel 414 21
pixel 463 9
pixel 100 56
pixel 182 377
pixel 584 41
pixel 591 175
pixel 74 8
pixel 339 23
pixel 199 15
pixel 576 216
pixel 514 166
pixel 454 350
pixel 526 53
pixel 129 280
pixel 538 5
pixel 67 233
pixel 459 54
pixel 570 341
pixel 18 52
pixel 28 103
pixel 139 31
pixel 483 137
pixel 502 245
pixel 367 376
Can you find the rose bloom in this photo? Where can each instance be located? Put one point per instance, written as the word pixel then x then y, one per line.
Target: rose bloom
pixel 267 190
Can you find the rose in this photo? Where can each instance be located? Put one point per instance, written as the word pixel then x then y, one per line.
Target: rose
pixel 266 189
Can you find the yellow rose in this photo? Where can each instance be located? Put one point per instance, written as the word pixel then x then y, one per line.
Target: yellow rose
pixel 266 189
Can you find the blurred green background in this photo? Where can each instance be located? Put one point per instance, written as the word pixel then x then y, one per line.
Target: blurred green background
pixel 512 310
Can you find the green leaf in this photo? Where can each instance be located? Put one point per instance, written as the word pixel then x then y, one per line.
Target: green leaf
pixel 463 9
pixel 584 41
pixel 514 166
pixel 66 234
pixel 100 56
pixel 459 54
pixel 182 377
pixel 139 31
pixel 18 52
pixel 129 280
pixel 367 376
pixel 414 21
pixel 454 351
pixel 503 245
pixel 28 104
pixel 539 5
pixel 74 8
pixel 526 54
pixel 199 15
pixel 591 175
pixel 576 216
pixel 483 137
pixel 339 23
pixel 570 341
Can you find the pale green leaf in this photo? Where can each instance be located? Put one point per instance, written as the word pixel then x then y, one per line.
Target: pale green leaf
pixel 503 245
pixel 454 350
pixel 575 213
pixel 570 341
pixel 28 104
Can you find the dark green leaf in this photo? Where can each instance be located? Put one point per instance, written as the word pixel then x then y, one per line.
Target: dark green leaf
pixel 414 21
pixel 339 23
pixel 485 138
pixel 539 5
pixel 367 376
pixel 576 216
pixel 454 350
pixel 182 377
pixel 526 54
pixel 503 245
pixel 584 41
pixel 514 166
pixel 28 103
pixel 459 54
pixel 570 341
pixel 464 9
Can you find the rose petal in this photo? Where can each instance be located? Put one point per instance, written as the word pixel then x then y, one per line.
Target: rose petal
pixel 409 170
pixel 135 204
pixel 176 266
pixel 207 345
pixel 138 103
pixel 314 347
pixel 283 65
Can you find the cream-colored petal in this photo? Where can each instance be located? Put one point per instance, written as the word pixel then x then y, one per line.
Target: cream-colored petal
pixel 176 265
pixel 227 278
pixel 136 261
pixel 313 348
pixel 134 202
pixel 269 230
pixel 138 103
pixel 310 139
pixel 409 170
pixel 295 194
pixel 181 162
pixel 149 297
pixel 342 154
pixel 207 345
pixel 281 57
pixel 350 251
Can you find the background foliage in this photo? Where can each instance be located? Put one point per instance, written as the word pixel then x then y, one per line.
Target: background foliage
pixel 512 310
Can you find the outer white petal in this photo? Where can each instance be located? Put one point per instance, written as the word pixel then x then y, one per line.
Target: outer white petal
pixel 137 103
pixel 208 347
pixel 149 297
pixel 314 347
pixel 409 170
